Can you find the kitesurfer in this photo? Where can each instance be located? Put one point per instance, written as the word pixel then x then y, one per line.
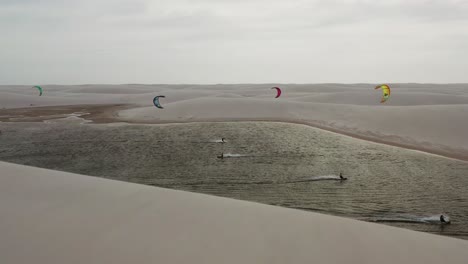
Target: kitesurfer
pixel 222 140
pixel 221 156
pixel 342 178
pixel 442 220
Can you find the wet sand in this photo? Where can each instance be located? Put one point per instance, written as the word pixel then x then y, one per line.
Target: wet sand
pixel 95 113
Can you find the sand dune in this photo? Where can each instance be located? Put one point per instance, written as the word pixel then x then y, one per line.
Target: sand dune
pixel 57 217
pixel 366 98
pixel 428 117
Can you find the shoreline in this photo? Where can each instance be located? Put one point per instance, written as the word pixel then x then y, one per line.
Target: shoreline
pixel 106 114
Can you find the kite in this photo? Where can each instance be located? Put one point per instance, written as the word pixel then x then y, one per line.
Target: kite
pixel 156 101
pixel 38 88
pixel 278 91
pixel 385 92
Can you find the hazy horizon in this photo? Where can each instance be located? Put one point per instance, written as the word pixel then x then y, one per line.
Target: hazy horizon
pixel 213 84
pixel 232 42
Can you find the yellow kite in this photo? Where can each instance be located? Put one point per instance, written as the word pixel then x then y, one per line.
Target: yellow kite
pixel 385 92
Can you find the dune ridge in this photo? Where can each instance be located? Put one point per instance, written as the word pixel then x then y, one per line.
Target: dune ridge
pixel 58 217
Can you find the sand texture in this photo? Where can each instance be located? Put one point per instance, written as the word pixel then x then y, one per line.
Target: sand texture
pixel 57 217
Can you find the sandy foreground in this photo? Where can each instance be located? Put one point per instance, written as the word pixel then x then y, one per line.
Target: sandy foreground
pixel 427 117
pixel 58 217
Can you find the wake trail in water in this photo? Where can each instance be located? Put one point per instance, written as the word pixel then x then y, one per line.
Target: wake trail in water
pixel 433 219
pixel 317 178
pixel 231 155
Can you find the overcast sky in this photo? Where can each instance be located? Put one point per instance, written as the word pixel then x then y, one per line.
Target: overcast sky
pixel 233 41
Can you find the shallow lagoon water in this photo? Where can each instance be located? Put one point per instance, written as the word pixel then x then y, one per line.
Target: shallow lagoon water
pixel 281 164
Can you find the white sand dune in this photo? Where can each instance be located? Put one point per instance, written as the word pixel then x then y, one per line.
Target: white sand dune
pixel 56 217
pixel 428 117
pixel 366 98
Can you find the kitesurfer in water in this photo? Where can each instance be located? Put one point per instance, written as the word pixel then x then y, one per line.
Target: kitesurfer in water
pixel 442 220
pixel 221 156
pixel 222 140
pixel 342 178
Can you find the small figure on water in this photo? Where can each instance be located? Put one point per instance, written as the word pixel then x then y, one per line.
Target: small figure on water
pixel 342 178
pixel 443 221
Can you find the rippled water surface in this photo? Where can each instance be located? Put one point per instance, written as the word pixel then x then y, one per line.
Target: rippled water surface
pixel 282 164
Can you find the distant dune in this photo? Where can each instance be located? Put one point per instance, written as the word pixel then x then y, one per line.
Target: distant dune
pixel 428 117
